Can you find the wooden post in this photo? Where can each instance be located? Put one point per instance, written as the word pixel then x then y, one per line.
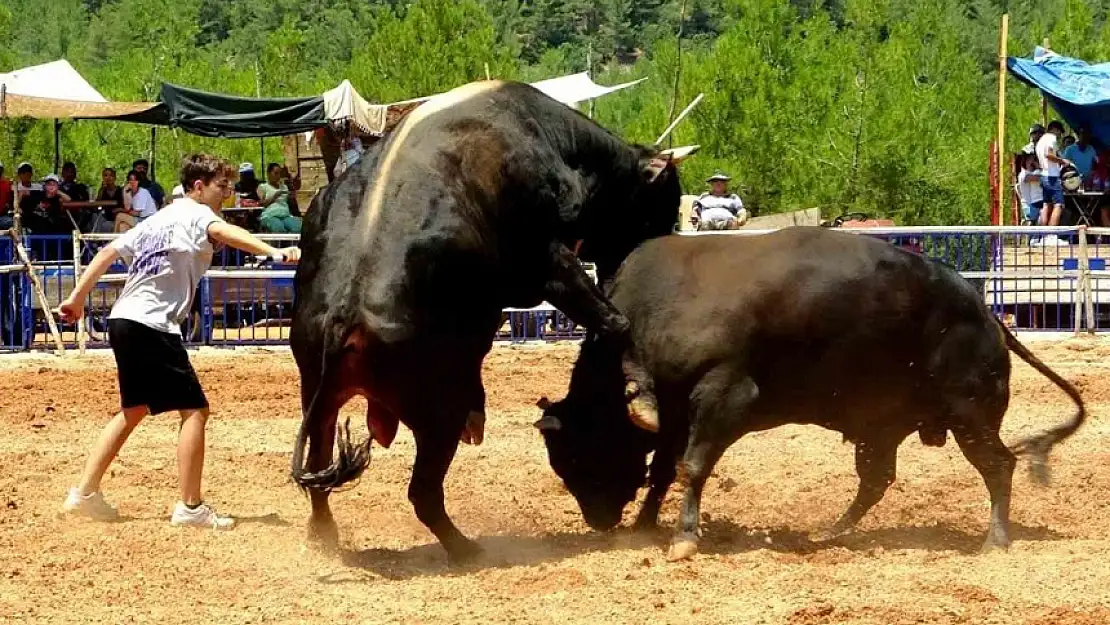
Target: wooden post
pixel 17 243
pixel 81 334
pixel 1080 295
pixel 1003 171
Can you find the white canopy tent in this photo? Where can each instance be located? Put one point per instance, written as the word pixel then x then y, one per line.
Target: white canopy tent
pixel 56 80
pixel 576 88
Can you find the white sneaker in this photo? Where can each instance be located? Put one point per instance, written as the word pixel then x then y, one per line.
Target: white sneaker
pixel 201 516
pixel 92 506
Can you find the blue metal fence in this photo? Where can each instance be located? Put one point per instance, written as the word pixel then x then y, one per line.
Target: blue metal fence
pixel 1035 278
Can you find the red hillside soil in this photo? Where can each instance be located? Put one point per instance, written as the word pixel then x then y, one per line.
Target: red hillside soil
pixel 913 560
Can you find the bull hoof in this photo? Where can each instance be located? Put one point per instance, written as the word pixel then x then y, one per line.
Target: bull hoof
pixel 644 414
pixel 824 536
pixel 475 431
pixel 995 545
pixel 682 549
pixel 323 534
pixel 463 552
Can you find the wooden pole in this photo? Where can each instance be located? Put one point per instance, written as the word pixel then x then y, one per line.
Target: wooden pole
pixel 17 243
pixel 1003 171
pixel 81 334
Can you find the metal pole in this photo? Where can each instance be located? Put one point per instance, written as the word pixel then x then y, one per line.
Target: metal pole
pixel 1003 171
pixel 81 333
pixel 57 146
pixel 153 150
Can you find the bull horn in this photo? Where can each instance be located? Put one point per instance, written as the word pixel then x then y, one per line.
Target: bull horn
pixel 549 423
pixel 544 403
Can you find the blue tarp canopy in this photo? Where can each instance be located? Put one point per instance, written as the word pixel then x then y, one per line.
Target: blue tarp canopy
pixel 1079 92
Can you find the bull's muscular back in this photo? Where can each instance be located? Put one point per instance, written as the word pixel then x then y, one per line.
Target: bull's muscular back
pixel 449 219
pixel 799 305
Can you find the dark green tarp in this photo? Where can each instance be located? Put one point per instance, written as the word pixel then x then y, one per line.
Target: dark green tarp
pixel 231 117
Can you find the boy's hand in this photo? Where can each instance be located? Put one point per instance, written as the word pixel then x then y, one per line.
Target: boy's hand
pixel 292 254
pixel 70 310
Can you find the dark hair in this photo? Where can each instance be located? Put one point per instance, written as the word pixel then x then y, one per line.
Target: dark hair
pixel 1056 124
pixel 69 165
pixel 133 173
pixel 107 169
pixel 272 166
pixel 141 161
pixel 203 167
pixel 26 167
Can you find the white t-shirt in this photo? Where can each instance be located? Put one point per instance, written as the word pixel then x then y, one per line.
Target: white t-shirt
pixel 1031 192
pixel 1051 169
pixel 168 254
pixel 144 202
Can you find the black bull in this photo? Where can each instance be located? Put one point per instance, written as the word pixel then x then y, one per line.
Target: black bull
pixel 471 205
pixel 808 326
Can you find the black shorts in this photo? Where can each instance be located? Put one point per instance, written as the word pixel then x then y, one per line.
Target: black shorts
pixel 154 369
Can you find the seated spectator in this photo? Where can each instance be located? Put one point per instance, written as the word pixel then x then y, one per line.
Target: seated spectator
pixel 138 203
pixel 6 194
pixel 247 187
pixel 718 209
pixel 1029 188
pixel 69 185
pixel 141 166
pixel 1067 142
pixel 1082 154
pixel 103 218
pixel 42 210
pixel 23 183
pixel 274 194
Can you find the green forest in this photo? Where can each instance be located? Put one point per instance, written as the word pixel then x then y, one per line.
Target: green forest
pixel 882 106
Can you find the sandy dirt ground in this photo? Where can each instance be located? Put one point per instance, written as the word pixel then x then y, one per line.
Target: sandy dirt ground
pixel 913 560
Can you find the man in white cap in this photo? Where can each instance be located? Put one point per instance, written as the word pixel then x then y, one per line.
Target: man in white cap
pixel 718 209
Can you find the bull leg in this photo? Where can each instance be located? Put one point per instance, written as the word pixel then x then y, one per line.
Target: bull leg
pixel 718 423
pixel 435 449
pixel 663 473
pixel 985 451
pixel 572 291
pixel 322 528
pixel 876 465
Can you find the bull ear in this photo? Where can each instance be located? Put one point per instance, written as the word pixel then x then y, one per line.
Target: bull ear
pixel 652 167
pixel 549 423
pixel 544 403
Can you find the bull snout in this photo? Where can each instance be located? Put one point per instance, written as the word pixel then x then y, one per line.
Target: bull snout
pixel 601 516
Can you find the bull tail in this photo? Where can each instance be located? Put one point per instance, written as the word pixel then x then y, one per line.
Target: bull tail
pixel 353 458
pixel 1038 447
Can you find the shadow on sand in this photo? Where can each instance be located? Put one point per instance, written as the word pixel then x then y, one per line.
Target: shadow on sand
pixel 720 537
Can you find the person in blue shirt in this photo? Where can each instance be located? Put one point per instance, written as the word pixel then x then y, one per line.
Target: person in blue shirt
pixel 1082 154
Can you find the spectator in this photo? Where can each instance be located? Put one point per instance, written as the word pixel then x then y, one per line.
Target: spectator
pixel 69 185
pixel 1050 163
pixel 1082 154
pixel 1036 131
pixel 274 194
pixel 42 211
pixel 719 209
pixel 23 185
pixel 1067 142
pixel 103 218
pixel 1029 188
pixel 138 203
pixel 142 167
pixel 247 187
pixel 6 193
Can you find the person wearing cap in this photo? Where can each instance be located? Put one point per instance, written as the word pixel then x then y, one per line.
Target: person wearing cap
pixel 6 192
pixel 43 212
pixel 718 209
pixel 156 192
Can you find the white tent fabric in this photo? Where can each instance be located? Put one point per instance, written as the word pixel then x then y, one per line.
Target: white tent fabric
pixel 575 88
pixel 344 103
pixel 56 80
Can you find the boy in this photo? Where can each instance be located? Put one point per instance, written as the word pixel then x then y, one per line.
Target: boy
pixel 168 254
